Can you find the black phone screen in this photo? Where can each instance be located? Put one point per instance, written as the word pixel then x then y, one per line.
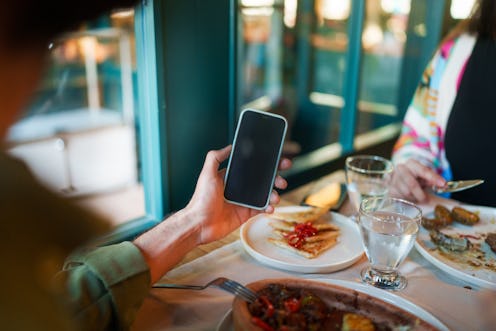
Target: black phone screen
pixel 254 158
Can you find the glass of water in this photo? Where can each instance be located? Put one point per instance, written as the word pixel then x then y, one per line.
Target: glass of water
pixel 388 227
pixel 367 176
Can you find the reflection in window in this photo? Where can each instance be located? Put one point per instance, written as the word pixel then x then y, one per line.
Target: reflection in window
pixel 297 66
pixel 267 59
pixel 256 32
pixel 383 40
pixel 318 122
pixel 333 9
pixel 78 135
pixel 461 9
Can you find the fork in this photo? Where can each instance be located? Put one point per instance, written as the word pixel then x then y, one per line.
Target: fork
pixel 223 283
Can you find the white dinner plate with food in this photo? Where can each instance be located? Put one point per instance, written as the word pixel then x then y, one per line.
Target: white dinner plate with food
pixel 477 265
pixel 227 324
pixel 255 239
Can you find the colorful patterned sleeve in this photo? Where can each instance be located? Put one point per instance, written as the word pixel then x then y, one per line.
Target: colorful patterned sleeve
pixel 421 135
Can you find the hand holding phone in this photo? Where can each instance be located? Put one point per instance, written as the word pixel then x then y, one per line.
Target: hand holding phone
pixel 254 158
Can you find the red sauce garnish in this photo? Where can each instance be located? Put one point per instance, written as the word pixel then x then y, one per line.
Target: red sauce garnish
pixel 261 324
pixel 268 304
pixel 292 305
pixel 301 231
pixel 469 236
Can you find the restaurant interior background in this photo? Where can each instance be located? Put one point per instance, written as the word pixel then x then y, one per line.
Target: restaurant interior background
pixel 132 102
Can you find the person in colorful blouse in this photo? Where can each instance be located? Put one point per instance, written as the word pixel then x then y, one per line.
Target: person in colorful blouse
pixel 98 288
pixel 449 127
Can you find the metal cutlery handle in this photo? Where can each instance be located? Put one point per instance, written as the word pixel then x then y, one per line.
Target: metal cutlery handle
pixel 223 283
pixel 180 287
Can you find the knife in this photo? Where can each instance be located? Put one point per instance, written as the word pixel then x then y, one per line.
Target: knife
pixel 457 185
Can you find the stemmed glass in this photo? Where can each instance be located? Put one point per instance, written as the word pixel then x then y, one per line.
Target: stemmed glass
pixel 366 176
pixel 388 227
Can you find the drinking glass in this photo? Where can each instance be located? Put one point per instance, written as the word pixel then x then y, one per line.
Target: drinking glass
pixel 366 176
pixel 388 227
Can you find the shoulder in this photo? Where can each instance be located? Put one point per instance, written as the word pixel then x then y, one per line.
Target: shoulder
pixel 452 46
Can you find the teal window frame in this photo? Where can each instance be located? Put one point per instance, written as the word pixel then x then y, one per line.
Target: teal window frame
pixel 178 57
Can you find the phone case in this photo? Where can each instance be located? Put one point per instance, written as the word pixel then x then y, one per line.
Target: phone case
pixel 277 161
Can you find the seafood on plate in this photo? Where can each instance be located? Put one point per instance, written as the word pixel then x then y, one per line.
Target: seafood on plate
pixel 464 216
pixel 449 242
pixel 465 250
pixel 491 241
pixel 444 217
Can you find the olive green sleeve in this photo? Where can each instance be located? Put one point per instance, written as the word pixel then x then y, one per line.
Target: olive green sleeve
pixel 107 286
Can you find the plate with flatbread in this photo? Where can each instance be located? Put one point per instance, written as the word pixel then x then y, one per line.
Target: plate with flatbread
pixel 259 234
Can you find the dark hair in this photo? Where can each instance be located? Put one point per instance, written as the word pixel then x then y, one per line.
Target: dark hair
pixel 483 19
pixel 25 23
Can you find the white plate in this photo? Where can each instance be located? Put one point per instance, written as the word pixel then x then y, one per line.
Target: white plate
pixel 226 324
pixel 347 251
pixel 479 277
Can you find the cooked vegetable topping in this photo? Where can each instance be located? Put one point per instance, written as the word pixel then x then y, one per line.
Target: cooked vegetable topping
pixel 280 308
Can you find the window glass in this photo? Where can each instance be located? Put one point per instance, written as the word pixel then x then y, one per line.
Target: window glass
pixel 383 43
pixel 329 41
pixel 267 60
pixel 78 135
pixel 293 62
pixel 319 121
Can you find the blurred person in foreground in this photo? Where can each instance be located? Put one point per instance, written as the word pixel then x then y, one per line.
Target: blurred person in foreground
pixel 97 289
pixel 449 128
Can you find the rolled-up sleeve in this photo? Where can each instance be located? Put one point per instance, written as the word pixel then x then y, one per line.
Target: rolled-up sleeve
pixel 107 286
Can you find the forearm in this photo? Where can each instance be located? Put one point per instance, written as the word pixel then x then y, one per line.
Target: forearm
pixel 165 245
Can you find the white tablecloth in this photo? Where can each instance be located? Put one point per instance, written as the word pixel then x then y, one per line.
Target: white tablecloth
pixel 458 305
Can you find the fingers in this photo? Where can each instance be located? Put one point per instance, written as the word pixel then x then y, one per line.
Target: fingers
pixel 280 183
pixel 269 209
pixel 410 179
pixel 411 188
pixel 274 200
pixel 285 164
pixel 429 176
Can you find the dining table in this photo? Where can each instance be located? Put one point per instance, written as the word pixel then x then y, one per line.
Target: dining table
pixel 453 301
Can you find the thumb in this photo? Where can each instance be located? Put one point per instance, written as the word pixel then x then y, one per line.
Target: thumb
pixel 215 158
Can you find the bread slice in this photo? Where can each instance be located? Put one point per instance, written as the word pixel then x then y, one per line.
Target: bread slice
pixel 309 250
pixel 324 238
pixel 327 196
pixel 308 215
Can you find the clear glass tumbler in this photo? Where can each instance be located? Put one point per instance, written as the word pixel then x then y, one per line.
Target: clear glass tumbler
pixel 367 176
pixel 388 227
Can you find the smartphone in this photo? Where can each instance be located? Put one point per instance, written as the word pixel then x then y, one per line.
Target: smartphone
pixel 254 159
